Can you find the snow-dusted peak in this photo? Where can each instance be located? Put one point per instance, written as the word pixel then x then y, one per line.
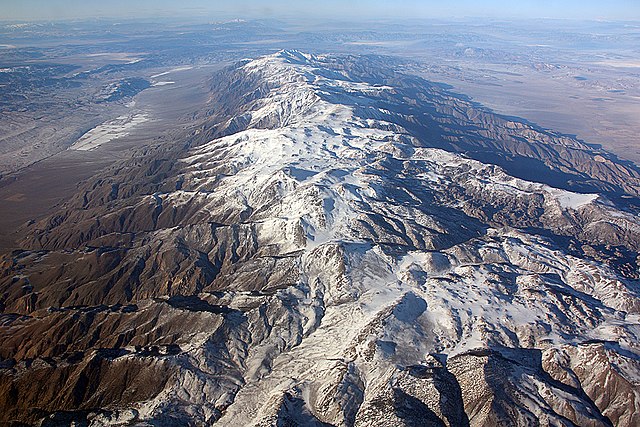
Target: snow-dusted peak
pixel 295 56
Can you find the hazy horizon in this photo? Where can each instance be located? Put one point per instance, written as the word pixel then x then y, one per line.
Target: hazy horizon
pixel 25 10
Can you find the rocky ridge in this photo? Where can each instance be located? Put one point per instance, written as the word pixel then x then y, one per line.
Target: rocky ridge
pixel 332 247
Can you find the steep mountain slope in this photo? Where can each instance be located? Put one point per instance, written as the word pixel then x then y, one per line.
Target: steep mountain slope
pixel 329 248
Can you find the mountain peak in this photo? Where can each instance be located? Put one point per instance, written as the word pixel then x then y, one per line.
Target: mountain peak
pixel 295 56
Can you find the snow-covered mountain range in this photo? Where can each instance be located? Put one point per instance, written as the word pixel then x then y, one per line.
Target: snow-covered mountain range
pixel 337 244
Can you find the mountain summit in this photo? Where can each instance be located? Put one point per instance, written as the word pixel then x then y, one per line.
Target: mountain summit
pixel 336 244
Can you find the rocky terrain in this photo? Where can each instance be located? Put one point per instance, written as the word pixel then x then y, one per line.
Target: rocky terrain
pixel 335 243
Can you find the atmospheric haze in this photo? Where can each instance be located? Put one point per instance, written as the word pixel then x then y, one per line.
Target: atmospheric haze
pixel 565 9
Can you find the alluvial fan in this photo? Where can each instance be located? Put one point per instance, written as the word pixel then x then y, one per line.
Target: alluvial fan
pixel 337 244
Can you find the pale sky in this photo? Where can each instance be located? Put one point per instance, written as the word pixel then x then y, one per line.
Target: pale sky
pixel 570 9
